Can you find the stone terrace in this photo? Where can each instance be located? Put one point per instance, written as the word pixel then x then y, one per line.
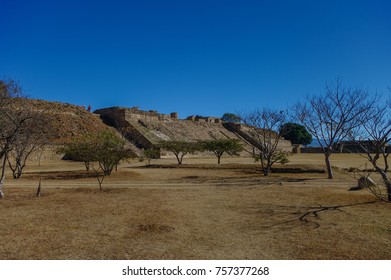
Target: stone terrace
pixel 148 128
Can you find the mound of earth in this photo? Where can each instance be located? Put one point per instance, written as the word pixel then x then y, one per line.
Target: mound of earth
pixel 65 120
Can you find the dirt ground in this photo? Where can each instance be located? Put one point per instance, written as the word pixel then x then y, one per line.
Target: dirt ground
pixel 199 210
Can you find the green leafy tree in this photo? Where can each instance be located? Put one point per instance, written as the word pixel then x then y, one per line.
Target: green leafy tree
pixel 180 148
pixel 102 151
pixel 296 133
pixel 110 150
pixel 229 117
pixel 221 146
pixel 80 149
pixel 149 154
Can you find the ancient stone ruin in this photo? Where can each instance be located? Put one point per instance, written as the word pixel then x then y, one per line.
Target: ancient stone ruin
pixel 148 128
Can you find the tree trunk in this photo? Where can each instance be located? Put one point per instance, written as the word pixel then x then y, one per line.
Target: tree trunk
pixel 266 167
pixel 388 185
pixel 178 158
pixel 39 188
pixel 18 170
pixel 1 186
pixel 385 178
pixel 328 165
pixel 100 182
pixel 218 159
pixel 262 164
pixel 14 173
pixel 87 165
pixel 2 178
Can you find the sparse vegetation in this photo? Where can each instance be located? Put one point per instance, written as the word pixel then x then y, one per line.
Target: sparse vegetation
pixel 33 136
pixel 149 154
pixel 221 146
pixel 334 115
pixel 225 212
pixel 374 137
pixel 100 151
pixel 263 126
pixel 171 211
pixel 179 148
pixel 15 126
pixel 280 157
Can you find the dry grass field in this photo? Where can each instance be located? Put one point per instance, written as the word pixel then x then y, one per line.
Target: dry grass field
pixel 196 211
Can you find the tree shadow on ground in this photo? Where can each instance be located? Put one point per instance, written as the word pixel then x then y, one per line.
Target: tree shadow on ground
pixel 60 175
pixel 293 216
pixel 244 168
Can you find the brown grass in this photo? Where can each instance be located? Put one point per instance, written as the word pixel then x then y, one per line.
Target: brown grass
pixel 196 211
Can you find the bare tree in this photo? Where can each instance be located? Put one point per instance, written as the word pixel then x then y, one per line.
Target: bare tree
pixel 12 120
pixel 263 128
pixel 34 135
pixel 332 116
pixel 375 128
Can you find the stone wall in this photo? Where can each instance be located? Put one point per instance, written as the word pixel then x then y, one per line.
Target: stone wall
pixel 246 133
pixel 148 128
pixel 198 118
pixel 311 150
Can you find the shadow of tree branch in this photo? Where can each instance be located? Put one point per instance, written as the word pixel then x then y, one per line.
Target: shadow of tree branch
pixel 304 215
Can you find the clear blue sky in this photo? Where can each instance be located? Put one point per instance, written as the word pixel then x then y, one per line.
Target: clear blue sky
pixel 193 57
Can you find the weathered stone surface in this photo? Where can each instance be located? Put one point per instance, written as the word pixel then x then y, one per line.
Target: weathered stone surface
pixel 148 128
